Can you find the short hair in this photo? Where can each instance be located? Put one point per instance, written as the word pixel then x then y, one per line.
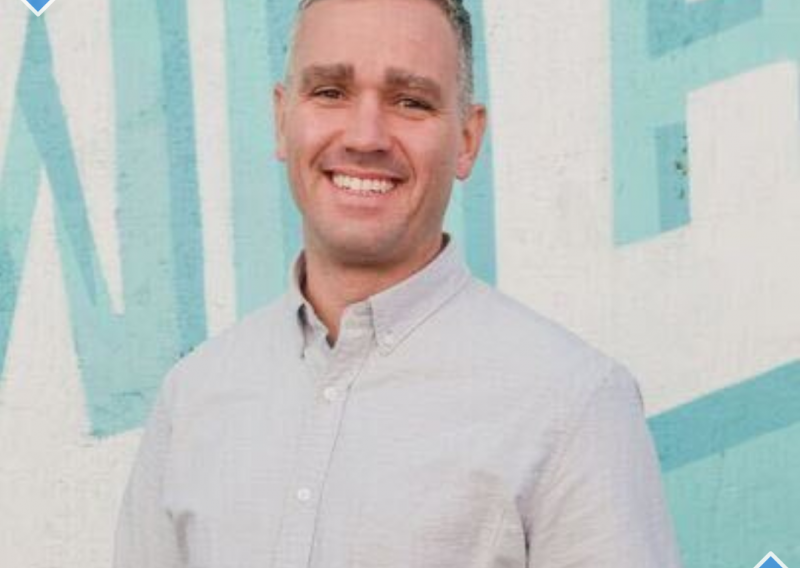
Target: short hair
pixel 460 21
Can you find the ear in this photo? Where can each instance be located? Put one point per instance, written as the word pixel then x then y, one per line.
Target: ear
pixel 473 127
pixel 279 109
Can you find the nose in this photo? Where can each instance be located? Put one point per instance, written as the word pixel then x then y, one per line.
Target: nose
pixel 366 130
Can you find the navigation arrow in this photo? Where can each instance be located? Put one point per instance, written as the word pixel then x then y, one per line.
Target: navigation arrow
pixel 38 6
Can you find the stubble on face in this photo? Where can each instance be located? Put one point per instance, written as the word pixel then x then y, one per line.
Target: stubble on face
pixel 373 95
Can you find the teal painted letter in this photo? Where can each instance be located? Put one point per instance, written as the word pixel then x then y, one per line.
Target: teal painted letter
pixel 661 51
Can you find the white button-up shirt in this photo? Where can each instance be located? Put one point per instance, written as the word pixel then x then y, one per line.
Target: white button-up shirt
pixel 449 427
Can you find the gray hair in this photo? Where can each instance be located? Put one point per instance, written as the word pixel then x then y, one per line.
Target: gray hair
pixel 459 19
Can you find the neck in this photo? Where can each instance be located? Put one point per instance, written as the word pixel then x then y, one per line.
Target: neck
pixel 331 285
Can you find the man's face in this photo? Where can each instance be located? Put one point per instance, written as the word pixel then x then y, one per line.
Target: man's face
pixel 371 129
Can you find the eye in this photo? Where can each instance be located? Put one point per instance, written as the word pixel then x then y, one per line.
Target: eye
pixel 414 104
pixel 331 93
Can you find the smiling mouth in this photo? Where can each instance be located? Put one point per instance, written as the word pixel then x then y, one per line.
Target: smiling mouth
pixel 364 186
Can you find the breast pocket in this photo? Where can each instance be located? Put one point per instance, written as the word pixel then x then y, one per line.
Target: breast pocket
pixel 431 518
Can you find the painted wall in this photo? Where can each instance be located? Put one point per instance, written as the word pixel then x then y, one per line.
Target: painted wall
pixel 641 185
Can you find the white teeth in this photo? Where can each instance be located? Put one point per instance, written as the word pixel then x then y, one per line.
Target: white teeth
pixel 361 185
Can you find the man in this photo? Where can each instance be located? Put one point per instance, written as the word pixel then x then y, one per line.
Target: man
pixel 391 410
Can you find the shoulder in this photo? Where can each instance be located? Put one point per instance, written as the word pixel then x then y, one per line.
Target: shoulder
pixel 515 330
pixel 236 360
pixel 535 355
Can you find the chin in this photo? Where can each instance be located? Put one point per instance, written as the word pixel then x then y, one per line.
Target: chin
pixel 363 250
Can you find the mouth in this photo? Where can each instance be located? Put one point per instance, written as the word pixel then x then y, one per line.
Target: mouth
pixel 363 185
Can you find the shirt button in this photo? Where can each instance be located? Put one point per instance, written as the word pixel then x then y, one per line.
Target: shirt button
pixel 304 494
pixel 330 394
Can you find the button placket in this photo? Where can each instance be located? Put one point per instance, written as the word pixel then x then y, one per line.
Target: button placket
pixel 316 447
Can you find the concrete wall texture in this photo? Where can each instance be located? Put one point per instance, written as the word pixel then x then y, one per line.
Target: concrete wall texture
pixel 641 184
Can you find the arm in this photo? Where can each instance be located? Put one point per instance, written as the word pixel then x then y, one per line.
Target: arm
pixel 145 536
pixel 600 502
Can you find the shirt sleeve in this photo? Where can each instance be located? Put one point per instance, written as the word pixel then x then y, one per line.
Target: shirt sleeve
pixel 145 535
pixel 600 502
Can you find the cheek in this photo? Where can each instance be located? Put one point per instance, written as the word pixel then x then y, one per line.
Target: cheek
pixel 441 151
pixel 307 134
pixel 439 161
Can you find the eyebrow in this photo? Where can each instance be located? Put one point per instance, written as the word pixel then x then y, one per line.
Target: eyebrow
pixel 334 73
pixel 344 73
pixel 402 79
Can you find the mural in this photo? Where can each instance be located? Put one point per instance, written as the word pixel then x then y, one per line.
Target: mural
pixel 143 112
pixel 727 456
pixel 662 51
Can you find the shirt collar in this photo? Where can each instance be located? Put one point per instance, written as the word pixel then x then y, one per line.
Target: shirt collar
pixel 396 311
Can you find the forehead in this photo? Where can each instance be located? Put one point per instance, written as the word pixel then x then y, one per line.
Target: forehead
pixel 372 36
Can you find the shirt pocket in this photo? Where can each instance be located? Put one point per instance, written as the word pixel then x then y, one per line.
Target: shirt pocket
pixel 425 520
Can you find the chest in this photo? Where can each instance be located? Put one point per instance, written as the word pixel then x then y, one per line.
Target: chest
pixel 387 470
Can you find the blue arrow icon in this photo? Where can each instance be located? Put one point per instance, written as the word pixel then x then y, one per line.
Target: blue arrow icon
pixel 38 6
pixel 770 561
